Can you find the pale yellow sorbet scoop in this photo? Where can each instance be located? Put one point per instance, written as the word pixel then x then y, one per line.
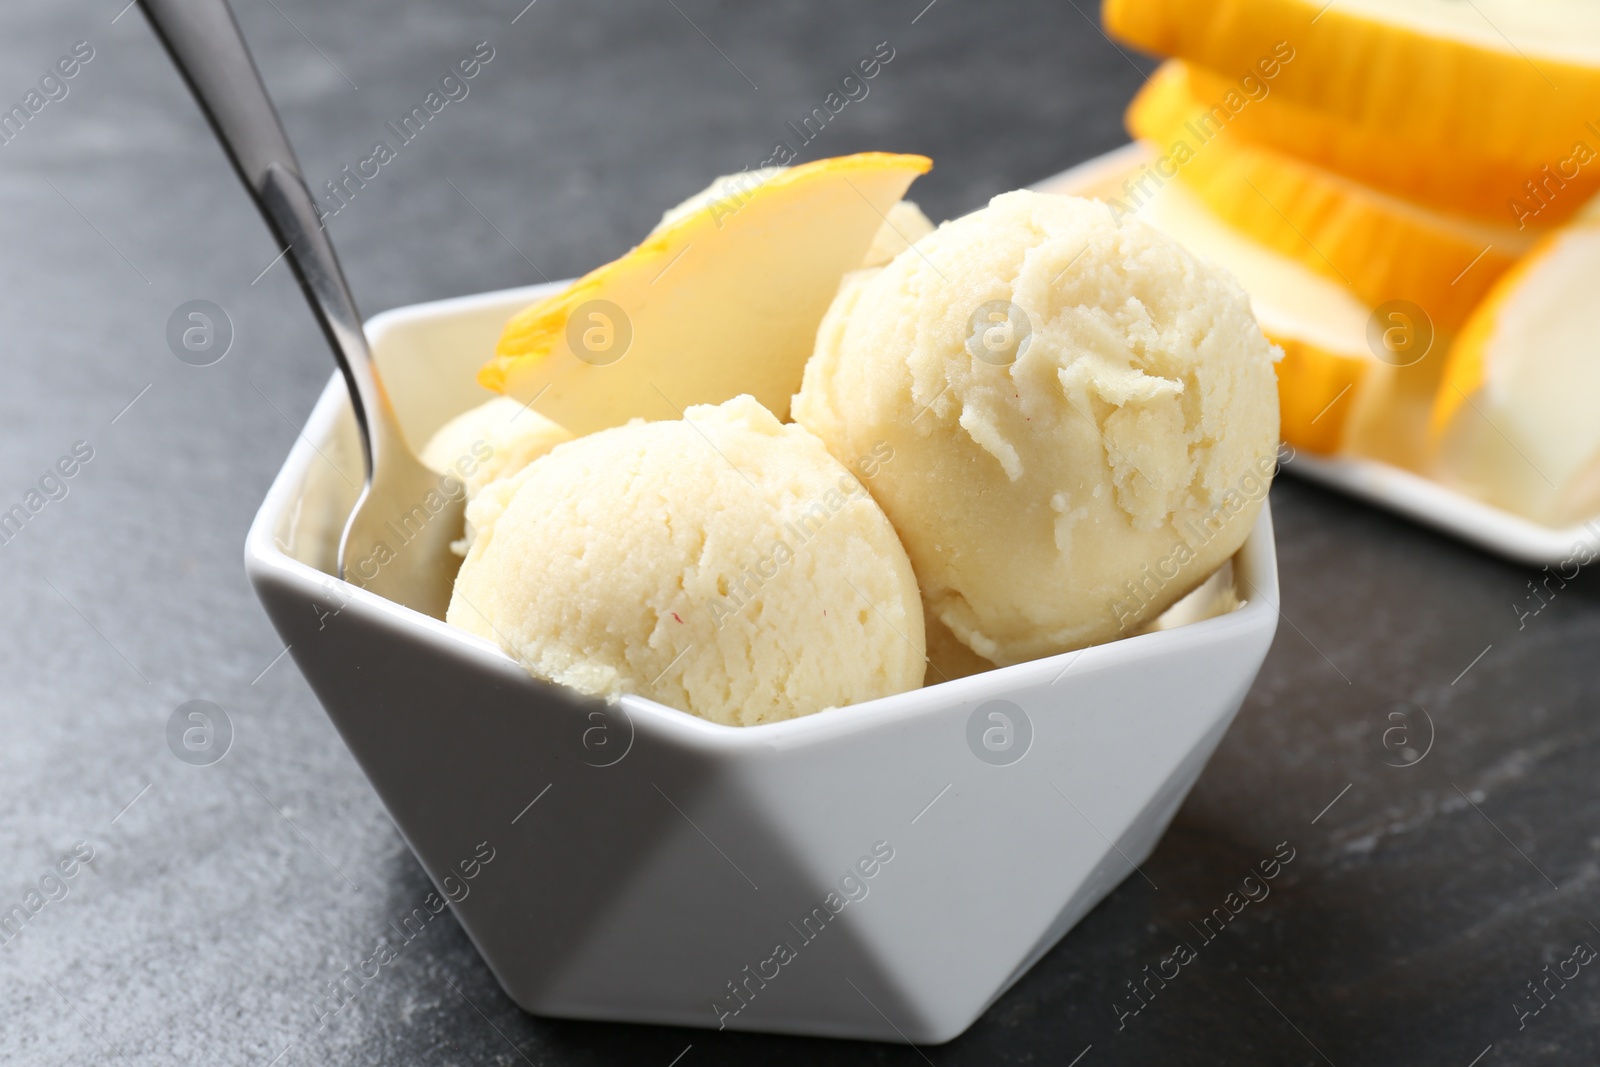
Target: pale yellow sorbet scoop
pixel 1083 418
pixel 724 564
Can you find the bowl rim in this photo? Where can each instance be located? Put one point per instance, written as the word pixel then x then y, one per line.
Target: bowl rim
pixel 1255 566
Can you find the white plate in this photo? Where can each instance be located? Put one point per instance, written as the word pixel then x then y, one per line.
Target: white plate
pixel 1443 508
pixel 1404 492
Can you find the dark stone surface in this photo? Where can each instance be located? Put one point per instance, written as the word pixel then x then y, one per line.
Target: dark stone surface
pixel 1403 932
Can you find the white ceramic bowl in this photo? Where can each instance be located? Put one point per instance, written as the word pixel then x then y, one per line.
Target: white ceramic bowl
pixel 881 871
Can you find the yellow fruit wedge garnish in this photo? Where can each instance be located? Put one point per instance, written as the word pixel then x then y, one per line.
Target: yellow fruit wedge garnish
pixel 1318 324
pixel 1509 81
pixel 1449 178
pixel 718 300
pixel 1517 417
pixel 1384 248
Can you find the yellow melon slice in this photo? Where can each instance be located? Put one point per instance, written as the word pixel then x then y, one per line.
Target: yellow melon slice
pixel 1383 247
pixel 1509 81
pixel 720 299
pixel 1517 417
pixel 1449 178
pixel 1327 365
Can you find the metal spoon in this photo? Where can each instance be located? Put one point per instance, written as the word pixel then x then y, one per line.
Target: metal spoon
pixel 397 540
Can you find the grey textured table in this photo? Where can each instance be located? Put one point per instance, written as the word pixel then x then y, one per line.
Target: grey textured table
pixel 221 901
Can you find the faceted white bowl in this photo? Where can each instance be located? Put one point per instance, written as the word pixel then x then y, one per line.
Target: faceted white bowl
pixel 649 866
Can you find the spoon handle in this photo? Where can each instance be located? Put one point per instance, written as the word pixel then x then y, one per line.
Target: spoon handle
pixel 204 42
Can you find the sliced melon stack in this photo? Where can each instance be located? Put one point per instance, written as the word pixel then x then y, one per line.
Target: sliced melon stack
pixel 1485 93
pixel 1517 418
pixel 1382 246
pixel 1450 178
pixel 1409 154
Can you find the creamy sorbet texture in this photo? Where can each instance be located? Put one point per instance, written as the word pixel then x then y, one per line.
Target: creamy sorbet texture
pixel 1082 414
pixel 724 564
